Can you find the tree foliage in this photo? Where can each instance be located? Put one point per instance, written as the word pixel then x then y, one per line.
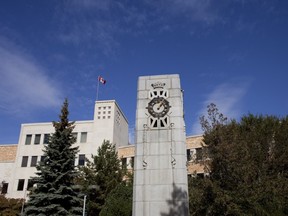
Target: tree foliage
pixel 10 207
pixel 119 201
pixel 54 193
pixel 100 176
pixel 248 167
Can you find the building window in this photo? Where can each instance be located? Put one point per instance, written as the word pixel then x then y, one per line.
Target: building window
pixel 30 184
pixel 37 139
pixel 83 138
pixel 124 162
pixel 199 154
pixel 46 138
pixel 103 117
pixel 99 108
pixel 81 160
pixel 75 136
pixel 99 113
pixel 98 117
pixel 4 188
pixel 108 117
pixel 28 139
pixel 109 107
pixel 188 154
pixel 20 186
pixel 104 112
pixel 42 158
pixel 33 161
pixel 104 107
pixel 109 112
pixel 24 161
pixel 132 162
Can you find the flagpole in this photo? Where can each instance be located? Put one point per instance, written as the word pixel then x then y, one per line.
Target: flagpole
pixel 97 89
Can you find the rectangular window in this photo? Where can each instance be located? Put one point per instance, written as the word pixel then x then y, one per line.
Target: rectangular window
pixel 37 139
pixel 20 186
pixel 42 158
pixel 46 138
pixel 109 107
pixel 33 161
pixel 24 161
pixel 199 154
pixel 83 138
pixel 4 188
pixel 124 162
pixel 28 139
pixel 81 160
pixel 30 184
pixel 188 154
pixel 75 136
pixel 132 162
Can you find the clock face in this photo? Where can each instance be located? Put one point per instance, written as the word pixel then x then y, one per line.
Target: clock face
pixel 158 107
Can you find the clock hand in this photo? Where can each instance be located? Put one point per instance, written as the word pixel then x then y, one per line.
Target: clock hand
pixel 160 104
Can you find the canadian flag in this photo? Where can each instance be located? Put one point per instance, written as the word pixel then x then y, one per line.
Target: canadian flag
pixel 101 79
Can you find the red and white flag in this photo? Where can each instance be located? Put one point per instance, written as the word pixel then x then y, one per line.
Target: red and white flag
pixel 101 79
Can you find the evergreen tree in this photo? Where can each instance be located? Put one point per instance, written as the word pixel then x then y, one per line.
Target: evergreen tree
pixel 54 193
pixel 100 176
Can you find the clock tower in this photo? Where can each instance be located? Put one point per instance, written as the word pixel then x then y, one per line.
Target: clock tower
pixel 160 173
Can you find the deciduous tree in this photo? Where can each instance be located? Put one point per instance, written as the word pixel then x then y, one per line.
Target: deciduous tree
pixel 100 176
pixel 248 167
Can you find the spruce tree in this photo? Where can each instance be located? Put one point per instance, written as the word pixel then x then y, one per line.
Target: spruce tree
pixel 54 193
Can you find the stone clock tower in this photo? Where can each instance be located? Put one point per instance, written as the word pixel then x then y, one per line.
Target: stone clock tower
pixel 160 174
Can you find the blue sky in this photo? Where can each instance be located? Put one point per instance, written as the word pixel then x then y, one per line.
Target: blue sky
pixel 233 53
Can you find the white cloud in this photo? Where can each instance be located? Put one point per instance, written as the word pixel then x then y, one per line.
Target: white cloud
pixel 227 97
pixel 195 10
pixel 24 84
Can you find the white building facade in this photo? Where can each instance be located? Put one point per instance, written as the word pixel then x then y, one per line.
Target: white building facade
pixel 109 123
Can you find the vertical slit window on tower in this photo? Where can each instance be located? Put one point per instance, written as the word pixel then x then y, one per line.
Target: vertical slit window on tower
pixel 28 139
pixel 155 125
pixel 162 123
pixel 166 120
